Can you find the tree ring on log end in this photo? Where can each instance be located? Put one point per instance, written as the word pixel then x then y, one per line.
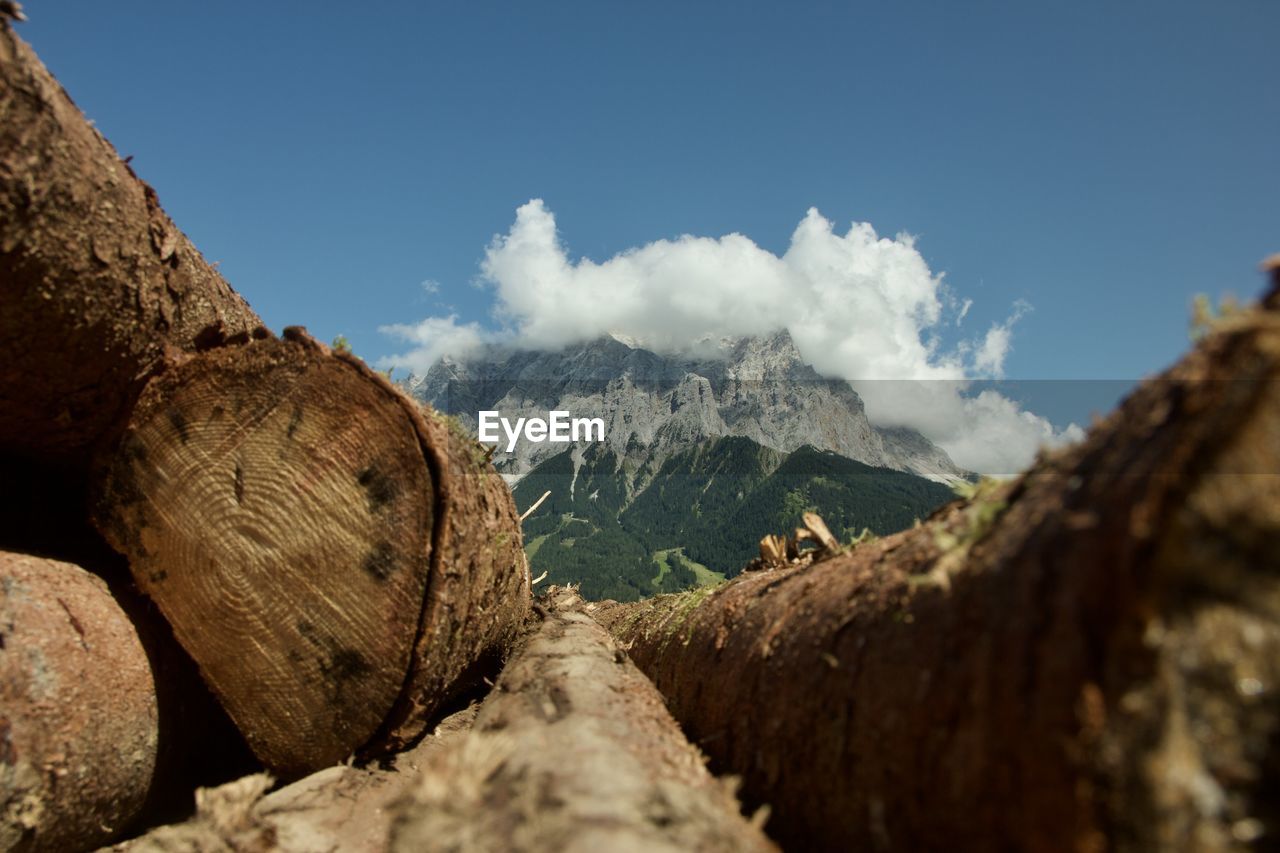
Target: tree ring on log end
pixel 274 501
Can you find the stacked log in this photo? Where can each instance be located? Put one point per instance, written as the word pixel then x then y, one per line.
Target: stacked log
pixel 337 561
pixel 573 750
pixel 339 576
pixel 1085 657
pixel 342 808
pixel 96 282
pixel 78 751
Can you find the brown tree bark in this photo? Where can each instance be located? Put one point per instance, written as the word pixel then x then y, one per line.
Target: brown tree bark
pixel 79 726
pixel 95 280
pixel 338 562
pixel 1087 657
pixel 573 750
pixel 95 284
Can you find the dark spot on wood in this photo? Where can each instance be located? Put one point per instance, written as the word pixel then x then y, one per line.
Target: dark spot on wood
pixel 381 561
pixel 210 337
pixel 1 642
pixel 348 664
pixel 179 422
pixel 122 490
pixel 561 706
pixel 239 484
pixel 217 412
pixel 294 420
pixel 8 755
pixel 379 488
pixel 133 448
pixel 336 664
pixel 75 623
pixel 659 812
pixel 158 577
pixel 549 801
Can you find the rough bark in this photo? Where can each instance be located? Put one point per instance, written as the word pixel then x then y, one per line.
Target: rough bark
pixel 342 808
pixel 79 727
pixel 330 556
pixel 1087 657
pixel 480 586
pixel 95 280
pixel 573 750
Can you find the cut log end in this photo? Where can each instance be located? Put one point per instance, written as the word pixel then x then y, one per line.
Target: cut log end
pixel 78 712
pixel 277 506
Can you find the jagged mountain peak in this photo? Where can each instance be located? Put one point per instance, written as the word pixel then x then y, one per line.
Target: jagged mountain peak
pixel 654 405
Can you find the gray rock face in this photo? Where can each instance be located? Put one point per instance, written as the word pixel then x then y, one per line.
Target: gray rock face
pixel 654 406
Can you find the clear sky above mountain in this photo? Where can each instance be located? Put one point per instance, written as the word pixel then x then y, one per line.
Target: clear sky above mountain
pixel 1079 168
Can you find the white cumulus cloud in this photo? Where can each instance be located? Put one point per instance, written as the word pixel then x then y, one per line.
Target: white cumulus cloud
pixel 859 306
pixel 432 338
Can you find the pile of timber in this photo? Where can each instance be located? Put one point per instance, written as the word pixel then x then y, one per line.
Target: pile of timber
pixel 331 564
pixel 248 590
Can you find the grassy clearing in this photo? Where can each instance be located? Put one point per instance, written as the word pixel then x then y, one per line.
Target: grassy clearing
pixel 705 576
pixel 662 559
pixel 531 547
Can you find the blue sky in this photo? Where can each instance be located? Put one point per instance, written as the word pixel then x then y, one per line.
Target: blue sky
pixel 1101 161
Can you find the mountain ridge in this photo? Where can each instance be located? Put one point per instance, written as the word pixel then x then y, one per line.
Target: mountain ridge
pixel 656 405
pixel 701 456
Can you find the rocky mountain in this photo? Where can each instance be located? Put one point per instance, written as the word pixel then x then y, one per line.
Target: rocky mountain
pixel 700 457
pixel 654 406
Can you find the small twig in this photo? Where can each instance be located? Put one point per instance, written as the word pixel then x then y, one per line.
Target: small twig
pixel 528 512
pixel 539 579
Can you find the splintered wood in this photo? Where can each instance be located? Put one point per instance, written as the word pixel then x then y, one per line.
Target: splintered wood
pixel 778 551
